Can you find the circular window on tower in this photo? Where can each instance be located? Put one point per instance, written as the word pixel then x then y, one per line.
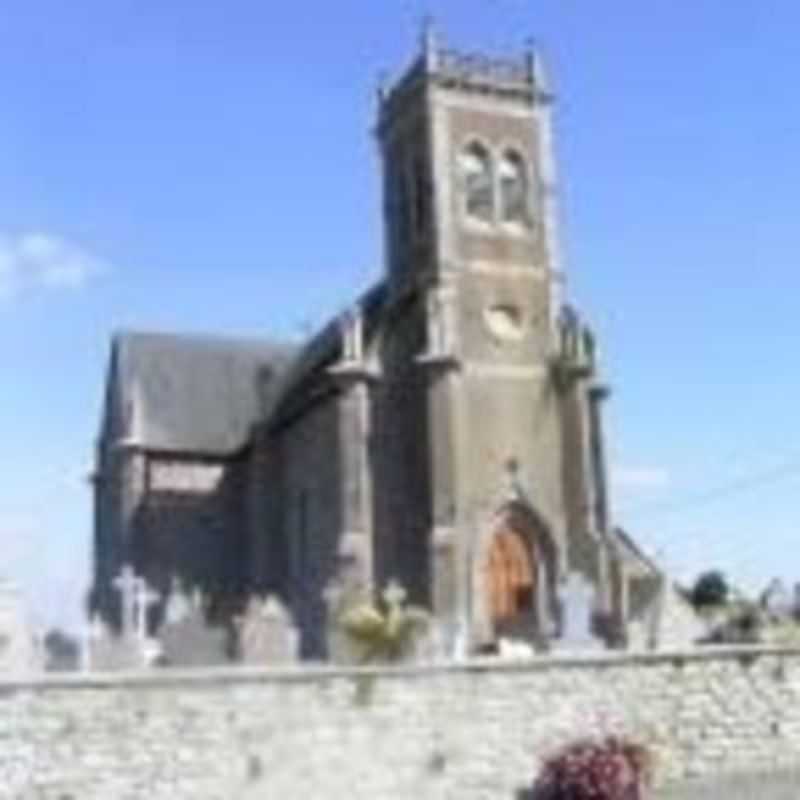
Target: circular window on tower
pixel 504 322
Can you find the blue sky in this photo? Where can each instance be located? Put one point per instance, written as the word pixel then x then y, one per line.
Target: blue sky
pixel 210 166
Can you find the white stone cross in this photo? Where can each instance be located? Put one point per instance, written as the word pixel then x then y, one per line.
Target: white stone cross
pixel 144 597
pixel 126 584
pixel 394 595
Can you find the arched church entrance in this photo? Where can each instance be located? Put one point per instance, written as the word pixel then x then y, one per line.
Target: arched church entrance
pixel 511 577
pixel 519 567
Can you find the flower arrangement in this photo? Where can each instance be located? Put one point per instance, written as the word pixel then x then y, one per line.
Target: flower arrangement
pixel 609 769
pixel 384 632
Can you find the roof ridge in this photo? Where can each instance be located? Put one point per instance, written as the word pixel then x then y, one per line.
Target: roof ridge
pixel 201 337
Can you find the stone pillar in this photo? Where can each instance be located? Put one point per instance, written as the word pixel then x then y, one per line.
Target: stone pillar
pixel 355 374
pixel 597 393
pixel 579 489
pixel 548 177
pixel 450 553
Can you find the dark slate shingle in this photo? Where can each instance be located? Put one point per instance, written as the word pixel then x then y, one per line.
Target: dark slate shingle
pixel 198 394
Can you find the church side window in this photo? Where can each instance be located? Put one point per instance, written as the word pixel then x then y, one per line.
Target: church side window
pixel 514 192
pixel 419 179
pixel 476 174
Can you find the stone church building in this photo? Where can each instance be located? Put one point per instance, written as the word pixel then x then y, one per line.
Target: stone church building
pixel 446 431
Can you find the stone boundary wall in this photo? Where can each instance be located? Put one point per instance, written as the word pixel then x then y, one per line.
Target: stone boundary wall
pixel 472 731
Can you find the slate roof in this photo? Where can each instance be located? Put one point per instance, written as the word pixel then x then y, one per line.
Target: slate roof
pixel 323 349
pixel 198 394
pixel 627 547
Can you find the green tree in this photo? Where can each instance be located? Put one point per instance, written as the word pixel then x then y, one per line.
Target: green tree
pixel 710 589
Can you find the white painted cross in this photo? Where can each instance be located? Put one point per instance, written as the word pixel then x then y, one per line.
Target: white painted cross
pixel 144 597
pixel 126 584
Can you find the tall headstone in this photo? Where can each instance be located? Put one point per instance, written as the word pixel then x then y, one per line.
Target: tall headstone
pixel 187 640
pixel 179 605
pixel 267 635
pixel 578 600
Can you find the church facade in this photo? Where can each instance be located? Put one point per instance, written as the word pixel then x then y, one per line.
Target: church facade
pixel 445 432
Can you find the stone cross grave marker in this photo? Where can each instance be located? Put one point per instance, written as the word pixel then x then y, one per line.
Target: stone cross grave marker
pixel 126 583
pixel 144 597
pixel 267 634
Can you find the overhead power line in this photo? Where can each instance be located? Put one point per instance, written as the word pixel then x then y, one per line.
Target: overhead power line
pixel 732 488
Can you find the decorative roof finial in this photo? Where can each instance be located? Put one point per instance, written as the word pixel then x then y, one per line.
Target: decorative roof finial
pixel 538 75
pixel 530 58
pixel 430 43
pixel 383 86
pixel 513 487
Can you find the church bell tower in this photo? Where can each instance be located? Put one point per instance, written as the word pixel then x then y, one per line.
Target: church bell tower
pixel 471 241
pixel 468 171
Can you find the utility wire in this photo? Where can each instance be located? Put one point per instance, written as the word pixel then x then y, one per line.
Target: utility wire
pixel 738 486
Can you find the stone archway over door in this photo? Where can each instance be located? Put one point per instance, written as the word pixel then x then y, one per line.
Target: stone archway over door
pixel 511 578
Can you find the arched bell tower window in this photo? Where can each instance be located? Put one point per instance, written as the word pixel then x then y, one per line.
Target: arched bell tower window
pixel 476 173
pixel 514 189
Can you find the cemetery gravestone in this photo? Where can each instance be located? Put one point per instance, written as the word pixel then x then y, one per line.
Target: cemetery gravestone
pixel 110 653
pixel 267 634
pixel 578 603
pixel 187 640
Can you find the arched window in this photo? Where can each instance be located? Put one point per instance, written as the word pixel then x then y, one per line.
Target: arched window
pixel 476 173
pixel 514 190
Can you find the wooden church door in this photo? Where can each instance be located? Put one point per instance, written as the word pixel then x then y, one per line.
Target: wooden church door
pixel 511 577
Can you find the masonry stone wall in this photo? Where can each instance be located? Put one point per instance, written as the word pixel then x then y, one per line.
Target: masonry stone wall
pixel 120 484
pixel 190 523
pixel 403 456
pixel 312 514
pixel 475 731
